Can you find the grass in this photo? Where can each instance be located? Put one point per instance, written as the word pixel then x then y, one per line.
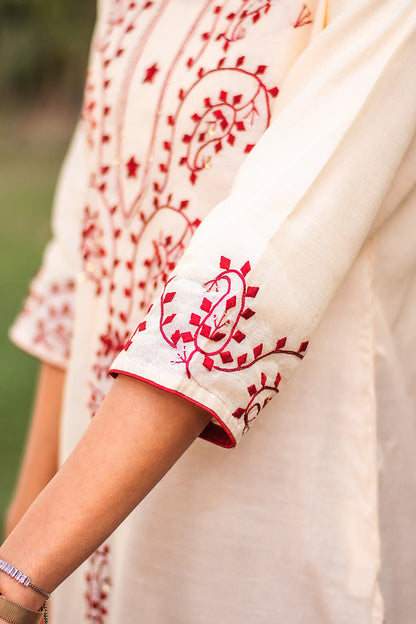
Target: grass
pixel 31 149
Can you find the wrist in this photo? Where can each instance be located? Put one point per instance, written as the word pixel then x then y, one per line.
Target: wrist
pixel 16 585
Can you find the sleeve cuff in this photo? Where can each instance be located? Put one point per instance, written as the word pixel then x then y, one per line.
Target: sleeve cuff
pixel 44 326
pixel 199 342
pixel 19 336
pixel 221 430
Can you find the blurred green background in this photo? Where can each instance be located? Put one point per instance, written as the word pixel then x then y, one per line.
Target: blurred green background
pixel 43 56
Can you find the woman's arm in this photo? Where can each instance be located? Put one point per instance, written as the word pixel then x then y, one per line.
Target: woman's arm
pixel 136 436
pixel 40 458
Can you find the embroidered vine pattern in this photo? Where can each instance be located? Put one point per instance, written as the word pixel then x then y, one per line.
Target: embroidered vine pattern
pixel 249 11
pixel 51 307
pixel 217 330
pixel 93 247
pixel 215 127
pixel 259 397
pixel 167 248
pixel 222 116
pixel 218 123
pixel 132 242
pixel 111 343
pixel 98 580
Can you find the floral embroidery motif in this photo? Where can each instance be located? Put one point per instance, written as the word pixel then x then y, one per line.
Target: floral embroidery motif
pixel 52 310
pixel 216 333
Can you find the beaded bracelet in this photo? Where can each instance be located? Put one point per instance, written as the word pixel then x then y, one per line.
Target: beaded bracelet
pixel 22 578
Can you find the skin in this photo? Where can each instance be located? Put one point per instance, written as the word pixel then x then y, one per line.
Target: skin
pixel 137 435
pixel 40 460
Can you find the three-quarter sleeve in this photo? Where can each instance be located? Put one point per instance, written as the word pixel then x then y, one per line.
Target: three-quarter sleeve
pixel 233 324
pixel 44 326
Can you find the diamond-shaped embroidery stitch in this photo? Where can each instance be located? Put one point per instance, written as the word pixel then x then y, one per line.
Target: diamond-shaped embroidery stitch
pixel 206 305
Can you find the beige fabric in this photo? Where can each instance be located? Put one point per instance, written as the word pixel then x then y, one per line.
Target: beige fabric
pixel 310 518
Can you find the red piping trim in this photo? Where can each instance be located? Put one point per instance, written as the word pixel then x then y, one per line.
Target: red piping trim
pixel 222 437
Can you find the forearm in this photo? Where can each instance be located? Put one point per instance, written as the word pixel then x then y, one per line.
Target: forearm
pixel 40 458
pixel 136 436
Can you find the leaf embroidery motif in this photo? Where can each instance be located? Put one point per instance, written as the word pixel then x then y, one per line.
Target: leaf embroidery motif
pixel 214 337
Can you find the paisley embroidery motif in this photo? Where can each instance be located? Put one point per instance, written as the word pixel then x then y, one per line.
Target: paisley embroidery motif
pixel 216 333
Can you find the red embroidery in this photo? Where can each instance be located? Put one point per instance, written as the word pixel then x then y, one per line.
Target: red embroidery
pixel 221 116
pixel 95 399
pixel 132 167
pixel 224 312
pixel 214 128
pixel 167 249
pixel 111 343
pixel 92 247
pixel 249 11
pixel 98 585
pixel 52 310
pixel 89 111
pixel 140 224
pixel 304 17
pixel 259 397
pixel 151 72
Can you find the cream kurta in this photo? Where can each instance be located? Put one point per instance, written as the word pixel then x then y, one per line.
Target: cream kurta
pixel 293 126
